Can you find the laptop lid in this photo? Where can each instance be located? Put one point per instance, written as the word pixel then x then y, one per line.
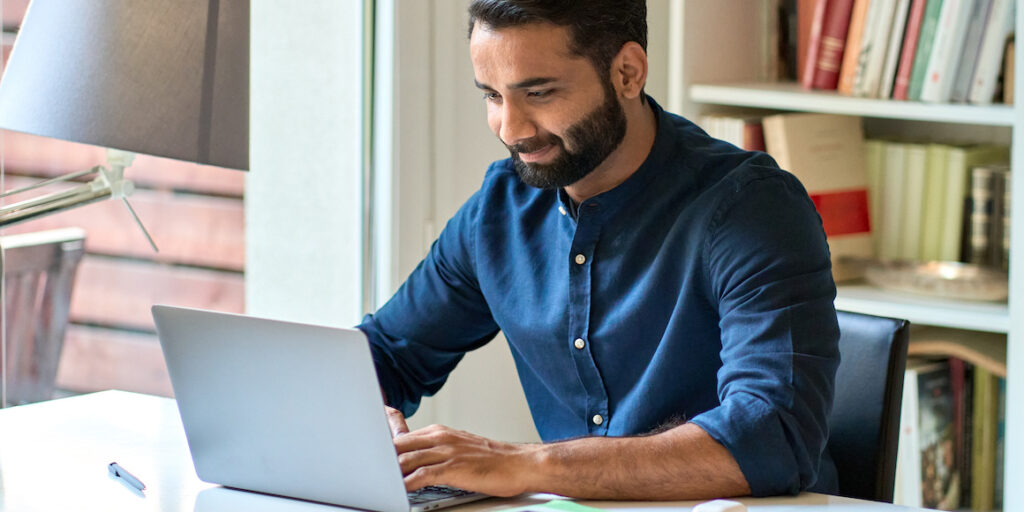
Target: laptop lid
pixel 281 408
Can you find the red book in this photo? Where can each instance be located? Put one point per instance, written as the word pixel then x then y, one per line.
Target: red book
pixel 833 42
pixel 813 44
pixel 805 13
pixel 913 33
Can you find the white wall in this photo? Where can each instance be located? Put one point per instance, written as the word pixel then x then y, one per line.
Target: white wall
pixel 303 191
pixel 440 148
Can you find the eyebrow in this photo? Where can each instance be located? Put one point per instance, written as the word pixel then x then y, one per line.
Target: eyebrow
pixel 530 82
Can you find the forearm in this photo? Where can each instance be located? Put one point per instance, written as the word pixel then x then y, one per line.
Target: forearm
pixel 679 464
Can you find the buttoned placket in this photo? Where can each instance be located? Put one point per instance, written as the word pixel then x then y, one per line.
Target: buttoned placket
pixel 581 263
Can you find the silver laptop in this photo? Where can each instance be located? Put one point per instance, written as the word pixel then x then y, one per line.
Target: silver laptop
pixel 286 409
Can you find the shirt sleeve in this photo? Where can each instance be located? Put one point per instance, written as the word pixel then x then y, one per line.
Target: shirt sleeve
pixel 437 315
pixel 769 270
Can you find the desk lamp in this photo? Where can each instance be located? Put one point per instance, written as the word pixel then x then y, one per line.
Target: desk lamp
pixel 168 78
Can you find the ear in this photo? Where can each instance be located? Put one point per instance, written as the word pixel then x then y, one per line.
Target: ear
pixel 629 70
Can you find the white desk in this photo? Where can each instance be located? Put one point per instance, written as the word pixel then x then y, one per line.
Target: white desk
pixel 54 456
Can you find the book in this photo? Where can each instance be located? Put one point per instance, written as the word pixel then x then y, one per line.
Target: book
pixel 742 131
pixel 833 42
pixel 947 48
pixel 874 159
pixel 908 52
pixel 981 215
pixel 891 224
pixel 826 153
pixel 805 19
pixel 983 439
pixel 809 69
pixel 1007 198
pixel 924 47
pixel 969 55
pixel 934 196
pixel 996 231
pixel 916 165
pixel 854 45
pixel 893 49
pixel 926 464
pixel 874 49
pixel 990 56
pixel 998 472
pixel 960 160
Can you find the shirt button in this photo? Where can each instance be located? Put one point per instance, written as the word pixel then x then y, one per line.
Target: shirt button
pixel 561 209
pixel 580 259
pixel 597 419
pixel 579 343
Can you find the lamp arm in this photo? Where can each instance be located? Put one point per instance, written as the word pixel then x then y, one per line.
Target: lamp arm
pixel 91 192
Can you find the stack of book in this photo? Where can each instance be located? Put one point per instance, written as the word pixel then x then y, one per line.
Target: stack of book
pixel 939 202
pixel 928 50
pixel 951 427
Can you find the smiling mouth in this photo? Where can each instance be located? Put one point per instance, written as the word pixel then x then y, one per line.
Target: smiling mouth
pixel 538 155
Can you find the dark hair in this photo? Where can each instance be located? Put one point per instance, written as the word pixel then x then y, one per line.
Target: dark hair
pixel 598 28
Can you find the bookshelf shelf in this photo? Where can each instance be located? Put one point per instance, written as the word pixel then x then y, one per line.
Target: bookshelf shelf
pixel 791 96
pixel 976 316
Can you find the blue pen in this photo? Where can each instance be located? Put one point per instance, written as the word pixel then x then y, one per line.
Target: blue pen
pixel 126 477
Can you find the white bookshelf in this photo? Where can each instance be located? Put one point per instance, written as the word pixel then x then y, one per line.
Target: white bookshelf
pixel 717 58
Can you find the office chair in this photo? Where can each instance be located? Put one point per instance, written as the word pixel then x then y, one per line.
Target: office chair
pixel 39 270
pixel 865 421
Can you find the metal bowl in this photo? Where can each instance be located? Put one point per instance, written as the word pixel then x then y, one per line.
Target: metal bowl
pixel 946 279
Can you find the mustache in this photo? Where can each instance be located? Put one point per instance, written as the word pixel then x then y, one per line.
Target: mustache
pixel 534 144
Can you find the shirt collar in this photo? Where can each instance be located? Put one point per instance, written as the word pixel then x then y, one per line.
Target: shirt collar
pixel 611 200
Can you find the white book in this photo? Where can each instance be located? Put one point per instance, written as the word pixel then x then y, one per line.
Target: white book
pixel 990 56
pixel 972 44
pixel 892 58
pixel 874 48
pixel 946 51
pixel 913 201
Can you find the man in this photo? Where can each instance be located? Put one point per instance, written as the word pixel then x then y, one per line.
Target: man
pixel 667 297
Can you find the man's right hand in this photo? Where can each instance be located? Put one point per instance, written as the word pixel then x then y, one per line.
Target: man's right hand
pixel 396 420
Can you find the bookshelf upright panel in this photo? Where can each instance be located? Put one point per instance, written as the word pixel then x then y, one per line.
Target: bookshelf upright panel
pixel 718 57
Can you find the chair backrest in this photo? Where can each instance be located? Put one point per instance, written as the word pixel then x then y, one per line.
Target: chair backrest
pixel 865 421
pixel 39 271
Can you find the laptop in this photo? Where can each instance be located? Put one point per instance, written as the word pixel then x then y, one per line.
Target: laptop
pixel 286 409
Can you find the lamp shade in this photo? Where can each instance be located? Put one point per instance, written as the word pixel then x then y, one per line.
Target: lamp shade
pixel 166 78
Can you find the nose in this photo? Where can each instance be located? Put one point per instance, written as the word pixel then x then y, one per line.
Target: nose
pixel 516 125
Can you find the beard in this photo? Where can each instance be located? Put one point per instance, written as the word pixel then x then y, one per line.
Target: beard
pixel 594 137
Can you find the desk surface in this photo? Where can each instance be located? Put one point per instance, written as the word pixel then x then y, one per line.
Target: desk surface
pixel 54 456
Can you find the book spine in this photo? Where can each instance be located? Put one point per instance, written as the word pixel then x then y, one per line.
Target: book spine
pixel 1007 195
pixel 874 158
pixel 854 45
pixel 893 49
pixel 805 20
pixel 753 135
pixel 994 257
pixel 953 206
pixel 833 41
pixel 981 214
pixel 916 162
pixel 946 50
pixel 934 197
pixel 1000 22
pixel 908 450
pixel 814 44
pixel 984 440
pixel 869 81
pixel 924 47
pixel 915 18
pixel 892 201
pixel 972 44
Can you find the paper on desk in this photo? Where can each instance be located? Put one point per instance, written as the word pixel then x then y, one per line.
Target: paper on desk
pixel 556 506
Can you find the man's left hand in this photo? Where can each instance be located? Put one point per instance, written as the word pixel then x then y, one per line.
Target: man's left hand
pixel 439 455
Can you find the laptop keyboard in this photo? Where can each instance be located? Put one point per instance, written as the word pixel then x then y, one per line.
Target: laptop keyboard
pixel 434 493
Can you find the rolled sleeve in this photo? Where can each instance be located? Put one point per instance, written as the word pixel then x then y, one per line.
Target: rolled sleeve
pixel 768 269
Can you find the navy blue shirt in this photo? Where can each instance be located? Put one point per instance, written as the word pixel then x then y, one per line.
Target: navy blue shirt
pixel 699 290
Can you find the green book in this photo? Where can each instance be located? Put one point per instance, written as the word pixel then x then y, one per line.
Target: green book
pixel 983 439
pixel 934 194
pixel 916 167
pixel 894 180
pixel 925 42
pixel 874 157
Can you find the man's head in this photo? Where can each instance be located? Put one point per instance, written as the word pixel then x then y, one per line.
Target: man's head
pixel 554 74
